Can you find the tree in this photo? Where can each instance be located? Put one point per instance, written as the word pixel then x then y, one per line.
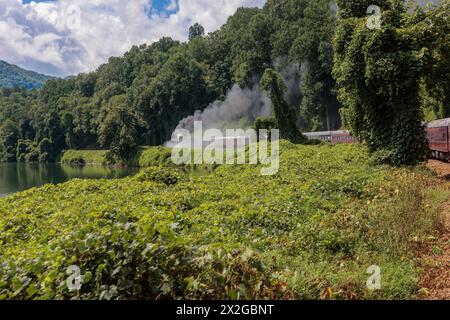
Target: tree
pixel 177 92
pixel 161 83
pixel 45 150
pixel 285 116
pixel 313 49
pixel 10 136
pixel 195 31
pixel 23 148
pixel 86 84
pixel 251 51
pixel 265 123
pixel 120 129
pixel 431 30
pixel 378 73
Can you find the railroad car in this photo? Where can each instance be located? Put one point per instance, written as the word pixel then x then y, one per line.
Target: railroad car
pixel 437 133
pixel 320 135
pixel 342 137
pixel 332 136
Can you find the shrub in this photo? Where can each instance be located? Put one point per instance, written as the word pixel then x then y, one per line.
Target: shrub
pixel 24 149
pixel 383 157
pixel 168 176
pixel 84 157
pixel 77 161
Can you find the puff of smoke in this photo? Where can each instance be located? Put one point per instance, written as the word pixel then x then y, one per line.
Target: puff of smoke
pixel 247 103
pixel 238 104
pixel 292 74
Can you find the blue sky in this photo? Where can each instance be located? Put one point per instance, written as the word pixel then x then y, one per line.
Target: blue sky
pixel 158 5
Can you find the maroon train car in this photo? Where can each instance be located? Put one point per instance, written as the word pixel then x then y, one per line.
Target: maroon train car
pixel 332 136
pixel 342 137
pixel 438 138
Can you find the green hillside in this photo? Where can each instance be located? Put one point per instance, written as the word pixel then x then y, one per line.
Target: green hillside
pixel 13 76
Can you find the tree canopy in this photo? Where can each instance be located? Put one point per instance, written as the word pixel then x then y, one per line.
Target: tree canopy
pixel 380 71
pixel 139 98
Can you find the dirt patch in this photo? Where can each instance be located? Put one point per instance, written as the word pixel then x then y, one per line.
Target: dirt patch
pixel 442 168
pixel 434 254
pixel 435 263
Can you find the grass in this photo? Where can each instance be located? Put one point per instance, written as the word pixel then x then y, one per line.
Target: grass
pixel 82 157
pixel 309 232
pixel 151 156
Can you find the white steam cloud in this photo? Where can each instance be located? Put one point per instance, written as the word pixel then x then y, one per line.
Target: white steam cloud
pixel 239 105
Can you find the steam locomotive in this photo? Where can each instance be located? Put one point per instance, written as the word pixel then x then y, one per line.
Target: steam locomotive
pixel 437 134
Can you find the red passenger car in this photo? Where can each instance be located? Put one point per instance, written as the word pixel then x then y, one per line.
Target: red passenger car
pixel 342 137
pixel 438 138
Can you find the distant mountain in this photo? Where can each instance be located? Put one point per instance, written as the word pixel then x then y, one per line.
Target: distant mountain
pixel 13 76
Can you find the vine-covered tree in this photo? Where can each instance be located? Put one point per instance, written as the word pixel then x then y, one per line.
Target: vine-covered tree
pixel 285 116
pixel 378 73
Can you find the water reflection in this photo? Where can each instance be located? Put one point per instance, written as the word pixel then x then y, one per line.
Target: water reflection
pixel 16 177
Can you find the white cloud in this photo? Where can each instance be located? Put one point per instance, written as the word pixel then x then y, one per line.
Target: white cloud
pixel 173 5
pixel 41 36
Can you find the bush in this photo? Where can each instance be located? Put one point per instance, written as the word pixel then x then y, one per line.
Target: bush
pixel 168 176
pixel 45 149
pixel 129 266
pixel 151 156
pixel 77 161
pixel 313 142
pixel 84 157
pixel 383 157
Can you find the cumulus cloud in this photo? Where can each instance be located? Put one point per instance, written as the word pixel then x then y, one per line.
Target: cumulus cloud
pixel 70 36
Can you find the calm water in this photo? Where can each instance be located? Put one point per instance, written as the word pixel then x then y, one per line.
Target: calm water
pixel 16 177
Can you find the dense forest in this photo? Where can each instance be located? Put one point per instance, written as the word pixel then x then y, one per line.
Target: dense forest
pixel 139 99
pixel 12 76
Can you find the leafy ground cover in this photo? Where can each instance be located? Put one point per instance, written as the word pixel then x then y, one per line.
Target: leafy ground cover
pixel 83 157
pixel 309 232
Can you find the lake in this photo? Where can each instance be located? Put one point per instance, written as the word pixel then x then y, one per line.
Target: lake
pixel 15 177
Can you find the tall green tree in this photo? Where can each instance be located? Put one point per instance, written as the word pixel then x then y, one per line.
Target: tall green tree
pixel 378 72
pixel 431 31
pixel 120 129
pixel 313 49
pixel 196 31
pixel 175 93
pixel 285 116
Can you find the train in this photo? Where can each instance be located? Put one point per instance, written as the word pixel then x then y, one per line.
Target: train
pixel 342 136
pixel 437 134
pixel 438 137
